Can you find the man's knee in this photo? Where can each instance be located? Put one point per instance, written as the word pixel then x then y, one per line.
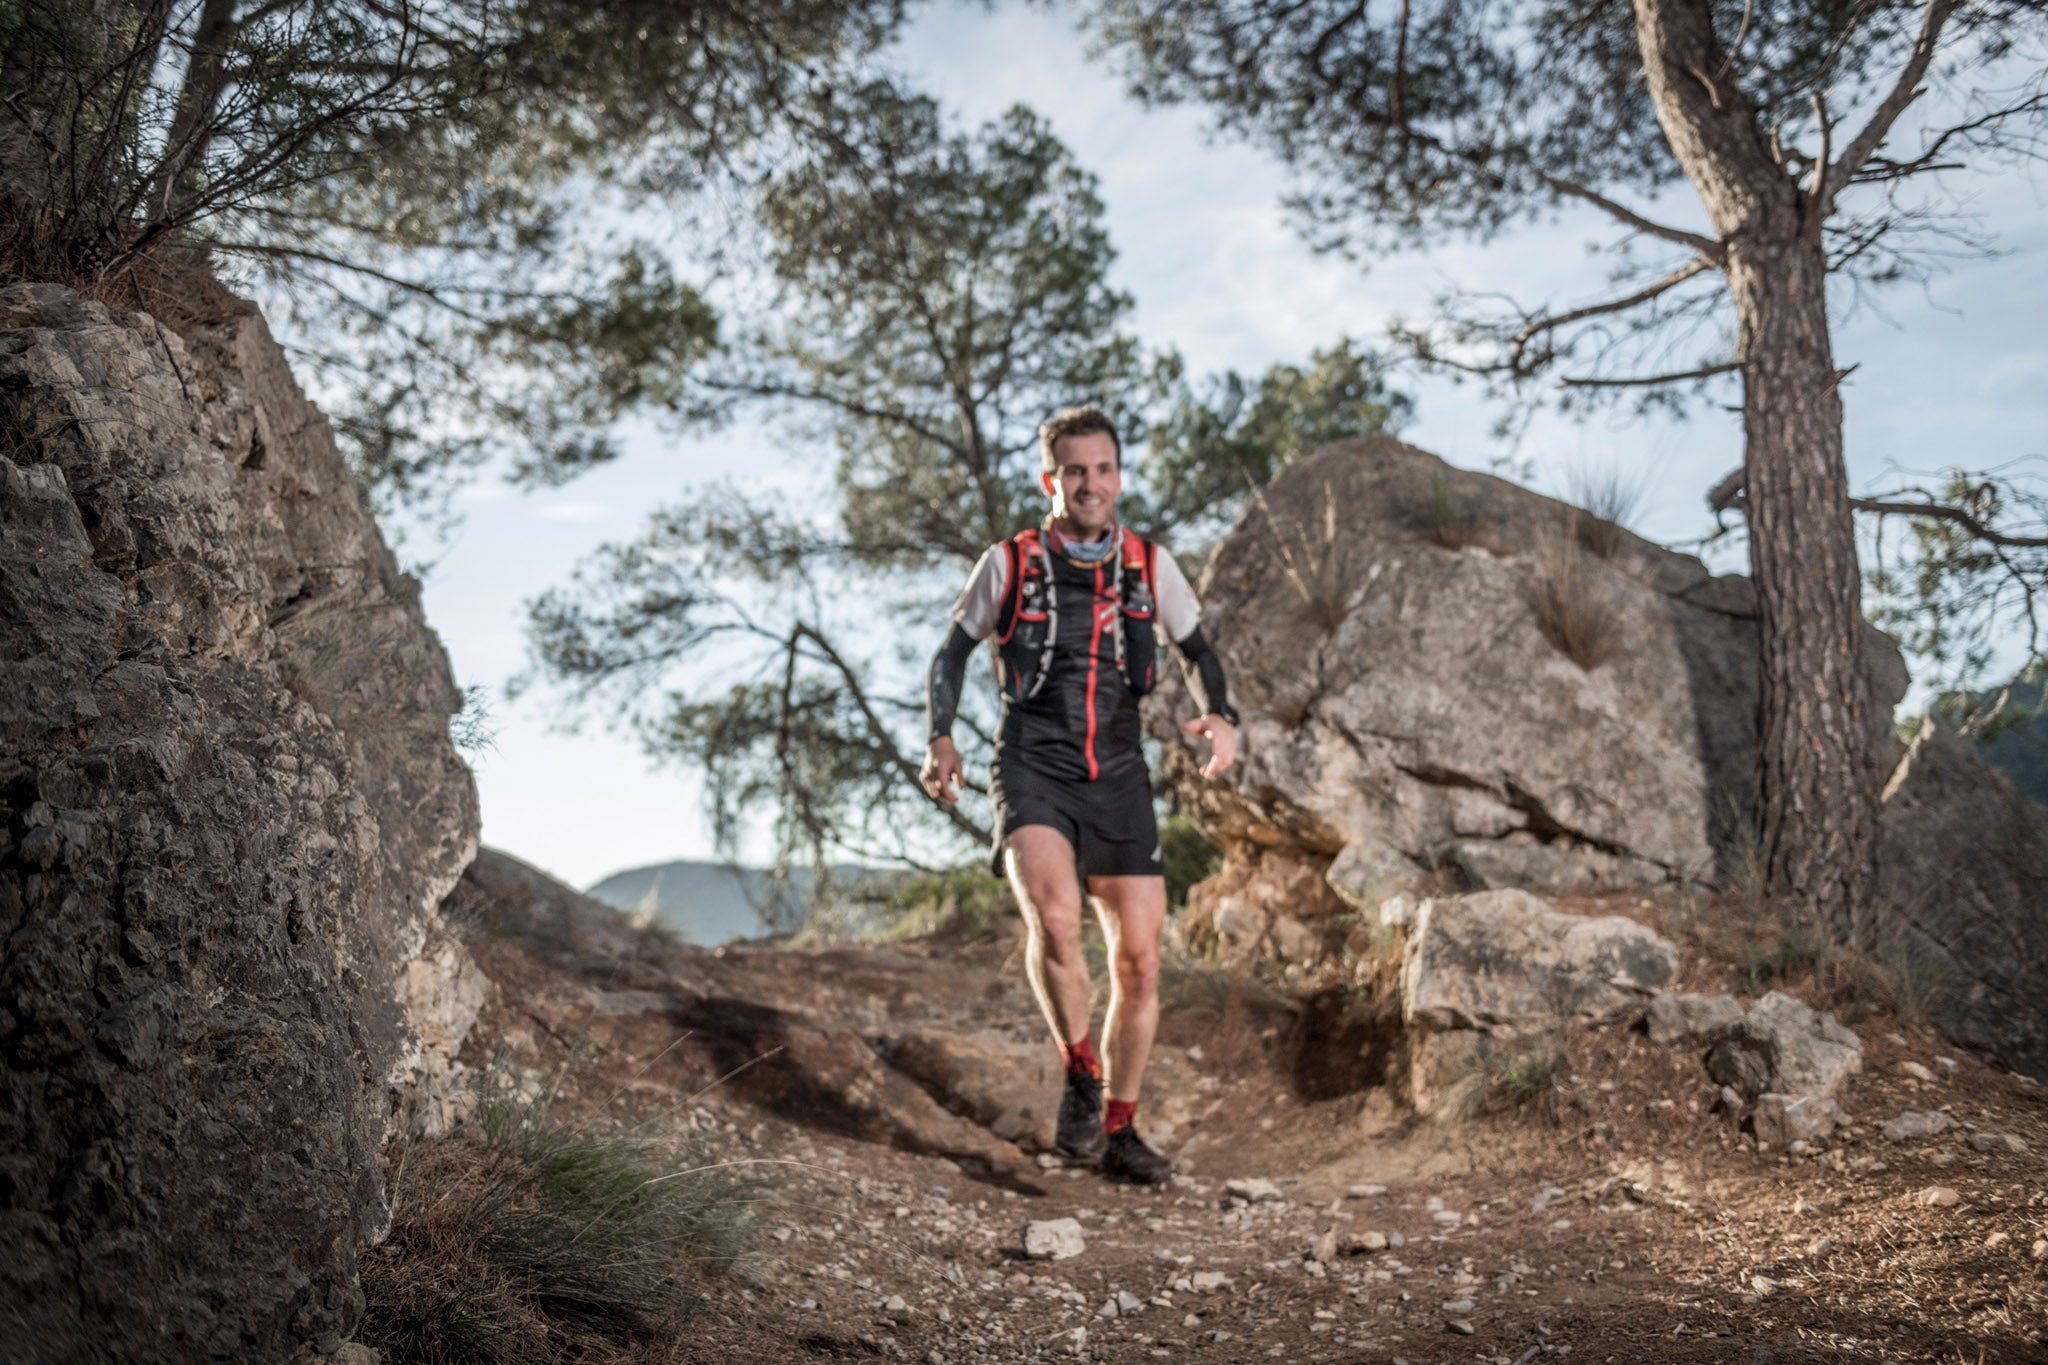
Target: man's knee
pixel 1137 970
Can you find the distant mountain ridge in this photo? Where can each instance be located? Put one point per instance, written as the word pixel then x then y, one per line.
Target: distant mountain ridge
pixel 708 903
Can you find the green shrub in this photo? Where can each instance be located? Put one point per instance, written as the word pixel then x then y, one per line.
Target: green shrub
pixel 959 902
pixel 1190 858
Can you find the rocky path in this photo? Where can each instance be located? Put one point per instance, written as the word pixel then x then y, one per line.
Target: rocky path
pixel 889 1103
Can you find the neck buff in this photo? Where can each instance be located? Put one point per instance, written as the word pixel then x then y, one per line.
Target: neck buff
pixel 1085 551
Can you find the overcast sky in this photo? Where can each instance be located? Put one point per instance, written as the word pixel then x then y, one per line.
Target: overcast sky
pixel 1954 374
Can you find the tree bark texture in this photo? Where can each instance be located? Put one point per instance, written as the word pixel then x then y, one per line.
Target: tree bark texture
pixel 1817 797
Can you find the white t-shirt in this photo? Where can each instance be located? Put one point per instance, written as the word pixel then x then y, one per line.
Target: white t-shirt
pixel 978 606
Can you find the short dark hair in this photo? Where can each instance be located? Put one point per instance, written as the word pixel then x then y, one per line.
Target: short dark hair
pixel 1082 421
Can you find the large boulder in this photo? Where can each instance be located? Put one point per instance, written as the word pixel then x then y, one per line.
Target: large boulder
pixel 1962 912
pixel 228 809
pixel 1443 675
pixel 1498 959
pixel 1439 671
pixel 1782 1046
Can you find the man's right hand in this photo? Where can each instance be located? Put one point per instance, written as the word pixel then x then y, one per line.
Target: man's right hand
pixel 941 772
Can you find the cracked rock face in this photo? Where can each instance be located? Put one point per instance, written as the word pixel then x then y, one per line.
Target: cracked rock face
pixel 1506 959
pixel 228 808
pixel 1407 707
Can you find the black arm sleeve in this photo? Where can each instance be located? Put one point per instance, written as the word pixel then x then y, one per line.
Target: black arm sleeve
pixel 1204 673
pixel 942 684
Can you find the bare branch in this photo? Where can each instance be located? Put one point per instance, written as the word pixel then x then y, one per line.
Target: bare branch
pixel 1647 380
pixel 1706 246
pixel 879 732
pixel 1903 92
pixel 1727 495
pixel 1539 326
pixel 1900 504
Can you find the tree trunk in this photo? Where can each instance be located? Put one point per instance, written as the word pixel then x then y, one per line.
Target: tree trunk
pixel 1816 794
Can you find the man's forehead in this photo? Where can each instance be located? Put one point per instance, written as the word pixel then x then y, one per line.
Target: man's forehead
pixel 1086 448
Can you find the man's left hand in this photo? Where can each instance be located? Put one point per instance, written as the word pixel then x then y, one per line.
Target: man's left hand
pixel 1222 737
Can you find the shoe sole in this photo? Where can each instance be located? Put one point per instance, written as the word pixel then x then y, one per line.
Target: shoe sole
pixel 1131 1178
pixel 1090 1152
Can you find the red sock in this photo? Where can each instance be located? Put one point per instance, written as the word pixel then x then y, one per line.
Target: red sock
pixel 1118 1114
pixel 1081 1058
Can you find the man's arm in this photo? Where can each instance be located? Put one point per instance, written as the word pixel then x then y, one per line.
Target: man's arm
pixel 1218 721
pixel 1204 672
pixel 974 617
pixel 941 774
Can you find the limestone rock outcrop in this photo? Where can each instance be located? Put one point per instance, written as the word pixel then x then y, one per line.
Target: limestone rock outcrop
pixel 1962 878
pixel 1489 979
pixel 1446 678
pixel 228 809
pixel 1391 629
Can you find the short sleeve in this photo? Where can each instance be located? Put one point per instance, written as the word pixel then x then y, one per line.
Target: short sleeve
pixel 1179 612
pixel 982 600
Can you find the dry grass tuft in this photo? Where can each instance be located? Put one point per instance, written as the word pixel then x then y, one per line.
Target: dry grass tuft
pixel 1449 514
pixel 1315 562
pixel 527 1237
pixel 1607 502
pixel 1574 610
pixel 1521 1076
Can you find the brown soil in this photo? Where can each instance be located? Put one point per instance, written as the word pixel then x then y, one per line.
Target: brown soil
pixel 1611 1216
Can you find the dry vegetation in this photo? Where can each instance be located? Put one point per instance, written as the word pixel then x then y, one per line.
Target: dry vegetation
pixel 1574 609
pixel 534 1235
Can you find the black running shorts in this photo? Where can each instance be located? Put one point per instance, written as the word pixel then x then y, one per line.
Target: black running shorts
pixel 1110 822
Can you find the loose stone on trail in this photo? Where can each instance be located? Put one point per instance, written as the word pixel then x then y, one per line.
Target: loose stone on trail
pixel 1056 1239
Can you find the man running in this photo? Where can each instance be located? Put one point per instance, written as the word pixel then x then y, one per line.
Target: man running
pixel 1075 606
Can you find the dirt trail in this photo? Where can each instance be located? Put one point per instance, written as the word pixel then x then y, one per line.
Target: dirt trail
pixel 1616 1219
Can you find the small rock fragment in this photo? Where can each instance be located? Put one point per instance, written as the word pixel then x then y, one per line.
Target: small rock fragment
pixel 1917 1071
pixel 1457 1308
pixel 1460 1327
pixel 1253 1191
pixel 1360 1243
pixel 1937 1197
pixel 1997 1142
pixel 1996 1240
pixel 1209 1281
pixel 1916 1125
pixel 1947 1065
pixel 1128 1303
pixel 1364 1191
pixel 1056 1239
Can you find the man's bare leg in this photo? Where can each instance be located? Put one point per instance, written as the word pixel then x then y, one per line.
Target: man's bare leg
pixel 1040 862
pixel 1133 913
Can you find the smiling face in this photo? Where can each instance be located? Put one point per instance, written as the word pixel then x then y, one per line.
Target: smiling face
pixel 1084 484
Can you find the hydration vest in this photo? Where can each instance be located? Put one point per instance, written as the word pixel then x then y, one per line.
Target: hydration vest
pixel 1027 626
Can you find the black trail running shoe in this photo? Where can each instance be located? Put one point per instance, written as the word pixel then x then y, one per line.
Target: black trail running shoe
pixel 1080 1125
pixel 1128 1158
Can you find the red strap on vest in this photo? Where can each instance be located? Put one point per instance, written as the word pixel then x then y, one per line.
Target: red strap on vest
pixel 1017 549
